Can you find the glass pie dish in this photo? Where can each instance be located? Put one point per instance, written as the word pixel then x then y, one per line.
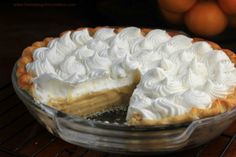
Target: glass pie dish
pixel 108 133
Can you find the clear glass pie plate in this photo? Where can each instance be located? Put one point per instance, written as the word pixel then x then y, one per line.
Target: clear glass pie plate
pixel 102 133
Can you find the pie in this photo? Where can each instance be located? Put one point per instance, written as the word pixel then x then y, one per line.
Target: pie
pixel 164 77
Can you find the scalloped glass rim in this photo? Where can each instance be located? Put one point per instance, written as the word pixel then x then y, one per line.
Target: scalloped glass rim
pixel 53 112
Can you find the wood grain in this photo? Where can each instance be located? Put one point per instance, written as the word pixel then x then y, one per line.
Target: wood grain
pixel 231 152
pixel 231 130
pixel 215 147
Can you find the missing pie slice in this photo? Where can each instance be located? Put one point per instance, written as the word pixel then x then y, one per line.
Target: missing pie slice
pixel 164 77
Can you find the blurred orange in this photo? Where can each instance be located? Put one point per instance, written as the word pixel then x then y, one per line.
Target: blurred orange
pixel 178 6
pixel 172 17
pixel 228 6
pixel 206 18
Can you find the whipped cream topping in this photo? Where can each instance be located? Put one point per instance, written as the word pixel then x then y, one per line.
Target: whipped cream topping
pixel 76 59
pixel 176 74
pixel 189 75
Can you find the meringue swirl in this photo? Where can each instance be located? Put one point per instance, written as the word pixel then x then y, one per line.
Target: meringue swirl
pixel 176 74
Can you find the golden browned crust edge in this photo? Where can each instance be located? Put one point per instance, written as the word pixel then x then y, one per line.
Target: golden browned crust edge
pixel 23 77
pixel 219 106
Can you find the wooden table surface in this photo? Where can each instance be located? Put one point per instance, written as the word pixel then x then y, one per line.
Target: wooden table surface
pixel 20 134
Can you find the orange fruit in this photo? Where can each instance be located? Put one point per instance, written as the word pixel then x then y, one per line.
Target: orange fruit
pixel 232 21
pixel 178 6
pixel 228 6
pixel 172 17
pixel 206 19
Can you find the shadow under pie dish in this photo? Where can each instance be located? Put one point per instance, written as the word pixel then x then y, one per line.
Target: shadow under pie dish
pixel 164 77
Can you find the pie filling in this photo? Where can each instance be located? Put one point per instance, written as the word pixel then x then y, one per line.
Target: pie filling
pixel 160 76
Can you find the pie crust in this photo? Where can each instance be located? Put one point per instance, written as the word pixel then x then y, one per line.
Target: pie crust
pixel 105 100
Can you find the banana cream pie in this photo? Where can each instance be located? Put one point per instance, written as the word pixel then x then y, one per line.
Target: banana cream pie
pixel 163 77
